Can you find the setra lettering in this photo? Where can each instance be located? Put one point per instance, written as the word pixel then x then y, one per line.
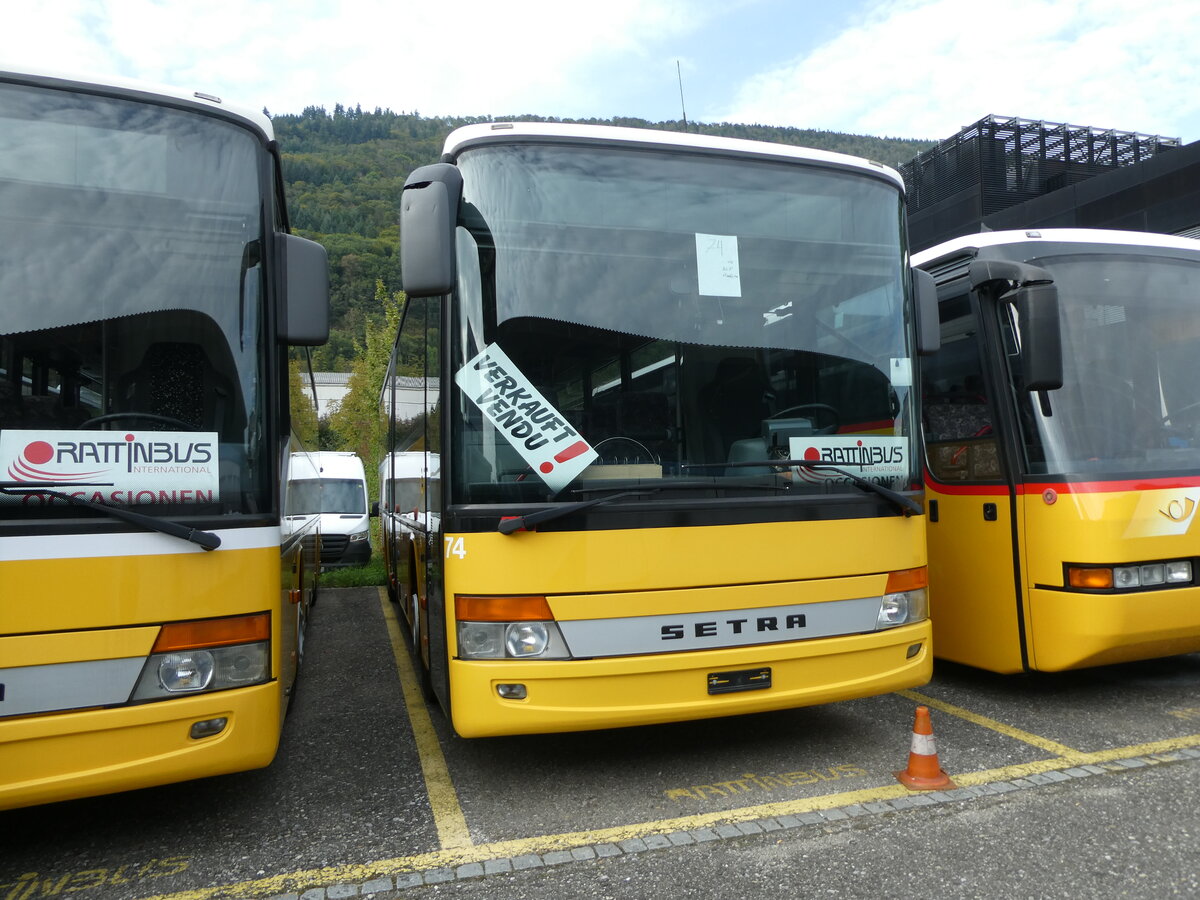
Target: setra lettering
pixel 791 622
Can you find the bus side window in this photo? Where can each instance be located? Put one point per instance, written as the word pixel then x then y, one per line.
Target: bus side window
pixel 960 442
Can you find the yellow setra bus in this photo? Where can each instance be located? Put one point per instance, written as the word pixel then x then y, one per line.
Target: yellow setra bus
pixel 154 588
pixel 667 379
pixel 1062 432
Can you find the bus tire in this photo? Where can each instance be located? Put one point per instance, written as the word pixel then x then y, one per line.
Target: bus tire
pixel 423 678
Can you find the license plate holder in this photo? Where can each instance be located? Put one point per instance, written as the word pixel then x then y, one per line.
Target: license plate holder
pixel 741 680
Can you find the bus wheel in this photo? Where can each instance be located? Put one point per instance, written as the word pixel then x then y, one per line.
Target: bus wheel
pixel 301 627
pixel 423 679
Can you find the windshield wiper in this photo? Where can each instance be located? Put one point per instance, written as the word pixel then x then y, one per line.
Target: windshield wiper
pixel 906 505
pixel 509 524
pixel 205 539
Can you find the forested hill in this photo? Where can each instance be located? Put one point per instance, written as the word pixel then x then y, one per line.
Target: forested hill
pixel 344 171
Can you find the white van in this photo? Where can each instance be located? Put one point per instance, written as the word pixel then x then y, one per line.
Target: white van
pixel 337 490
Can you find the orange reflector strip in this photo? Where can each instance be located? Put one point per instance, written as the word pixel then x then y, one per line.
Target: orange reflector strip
pixel 213 633
pixel 1080 577
pixel 501 609
pixel 907 580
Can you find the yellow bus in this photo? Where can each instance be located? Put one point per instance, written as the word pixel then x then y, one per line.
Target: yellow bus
pixel 153 586
pixel 668 380
pixel 1062 434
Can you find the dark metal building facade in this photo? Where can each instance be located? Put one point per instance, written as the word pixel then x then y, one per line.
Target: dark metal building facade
pixel 1002 173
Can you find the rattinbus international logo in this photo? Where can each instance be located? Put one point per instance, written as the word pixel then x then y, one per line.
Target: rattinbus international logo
pixel 871 456
pixel 129 468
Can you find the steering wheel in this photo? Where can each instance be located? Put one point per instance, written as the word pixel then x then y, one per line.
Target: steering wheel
pixel 150 417
pixel 642 452
pixel 830 411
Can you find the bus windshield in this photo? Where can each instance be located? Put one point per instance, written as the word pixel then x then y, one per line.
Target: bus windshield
pixel 688 317
pixel 1131 358
pixel 130 272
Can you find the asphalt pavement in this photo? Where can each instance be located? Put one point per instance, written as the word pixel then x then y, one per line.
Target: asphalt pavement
pixel 1077 785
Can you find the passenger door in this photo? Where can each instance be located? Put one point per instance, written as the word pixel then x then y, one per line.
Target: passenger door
pixel 974 599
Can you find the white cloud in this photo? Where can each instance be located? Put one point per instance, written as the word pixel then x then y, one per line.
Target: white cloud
pixel 469 58
pixel 910 68
pixel 925 68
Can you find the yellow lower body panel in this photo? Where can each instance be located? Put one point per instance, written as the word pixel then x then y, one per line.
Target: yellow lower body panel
pixel 81 754
pixel 578 695
pixel 1072 630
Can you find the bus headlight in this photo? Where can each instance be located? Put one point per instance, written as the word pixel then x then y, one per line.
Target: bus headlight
pixel 905 601
pixel 480 640
pixel 194 671
pixel 523 639
pixel 182 672
pixel 1169 573
pixel 902 609
pixel 507 627
pixel 208 655
pixel 511 640
pixel 247 664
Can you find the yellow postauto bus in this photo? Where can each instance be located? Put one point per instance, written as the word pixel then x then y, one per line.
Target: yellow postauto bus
pixel 153 588
pixel 1062 432
pixel 668 380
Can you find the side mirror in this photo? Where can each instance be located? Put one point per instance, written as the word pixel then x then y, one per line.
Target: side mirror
pixel 428 210
pixel 304 313
pixel 1041 336
pixel 929 329
pixel 374 509
pixel 1032 291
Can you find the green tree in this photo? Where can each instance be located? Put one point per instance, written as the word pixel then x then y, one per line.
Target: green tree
pixel 359 422
pixel 304 411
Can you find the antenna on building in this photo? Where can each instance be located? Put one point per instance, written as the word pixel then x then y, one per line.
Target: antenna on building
pixel 682 107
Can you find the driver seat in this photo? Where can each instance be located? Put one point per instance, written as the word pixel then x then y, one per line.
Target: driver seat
pixel 735 403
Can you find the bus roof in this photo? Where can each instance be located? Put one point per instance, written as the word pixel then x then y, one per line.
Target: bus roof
pixel 971 243
pixel 118 86
pixel 506 132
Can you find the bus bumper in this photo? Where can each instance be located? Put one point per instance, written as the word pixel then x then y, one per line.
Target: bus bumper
pixel 579 695
pixel 1074 630
pixel 100 751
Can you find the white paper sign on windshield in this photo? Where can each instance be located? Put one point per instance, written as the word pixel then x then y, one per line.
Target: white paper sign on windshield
pixel 874 457
pixel 538 431
pixel 116 467
pixel 718 269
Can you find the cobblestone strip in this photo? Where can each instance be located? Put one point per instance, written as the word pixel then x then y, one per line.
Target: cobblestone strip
pixel 442 875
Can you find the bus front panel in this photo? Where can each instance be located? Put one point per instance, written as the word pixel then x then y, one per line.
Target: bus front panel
pixel 103 656
pixel 1124 533
pixel 648 618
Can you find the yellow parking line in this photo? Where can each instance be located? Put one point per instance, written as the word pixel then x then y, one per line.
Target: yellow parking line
pixel 1060 750
pixel 457 849
pixel 1020 770
pixel 443 799
pixel 478 853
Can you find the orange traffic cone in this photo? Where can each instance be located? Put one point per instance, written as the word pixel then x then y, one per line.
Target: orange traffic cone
pixel 924 772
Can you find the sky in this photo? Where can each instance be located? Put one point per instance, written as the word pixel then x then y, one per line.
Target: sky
pixel 890 68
